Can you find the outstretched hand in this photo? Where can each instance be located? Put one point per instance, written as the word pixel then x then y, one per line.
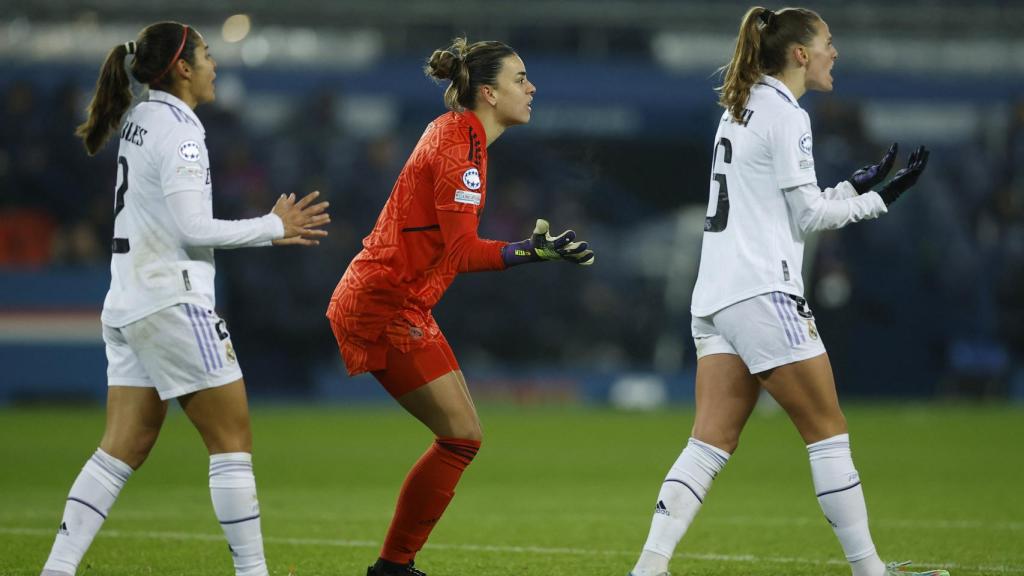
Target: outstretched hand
pixel 302 219
pixel 543 246
pixel 906 177
pixel 871 175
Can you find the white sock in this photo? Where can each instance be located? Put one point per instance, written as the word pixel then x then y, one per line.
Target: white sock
pixel 233 491
pixel 841 497
pixel 681 496
pixel 89 501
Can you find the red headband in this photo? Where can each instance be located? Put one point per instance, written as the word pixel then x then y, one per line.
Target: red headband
pixel 184 36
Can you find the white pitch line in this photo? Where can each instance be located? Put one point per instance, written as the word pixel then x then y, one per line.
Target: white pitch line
pixel 915 524
pixel 739 558
pixel 1008 526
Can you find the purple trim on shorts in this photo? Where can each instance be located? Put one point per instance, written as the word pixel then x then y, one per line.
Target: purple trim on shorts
pixel 789 307
pixel 780 312
pixel 199 337
pixel 212 338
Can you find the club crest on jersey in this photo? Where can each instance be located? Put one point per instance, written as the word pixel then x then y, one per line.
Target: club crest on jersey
pixel 189 151
pixel 466 197
pixel 805 143
pixel 471 178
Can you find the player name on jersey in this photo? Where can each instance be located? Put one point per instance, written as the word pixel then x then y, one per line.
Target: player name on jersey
pixel 133 133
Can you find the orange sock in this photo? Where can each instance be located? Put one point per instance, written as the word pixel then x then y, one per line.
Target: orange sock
pixel 427 490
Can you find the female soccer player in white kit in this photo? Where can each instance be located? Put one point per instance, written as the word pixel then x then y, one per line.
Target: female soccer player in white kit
pixel 163 338
pixel 751 325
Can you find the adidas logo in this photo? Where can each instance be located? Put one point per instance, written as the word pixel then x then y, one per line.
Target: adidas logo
pixel 63 529
pixel 661 509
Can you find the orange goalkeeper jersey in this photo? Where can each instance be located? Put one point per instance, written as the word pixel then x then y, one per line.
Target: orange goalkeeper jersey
pixel 425 235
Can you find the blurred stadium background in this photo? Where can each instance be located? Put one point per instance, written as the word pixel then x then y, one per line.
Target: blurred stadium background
pixel 927 302
pixel 922 310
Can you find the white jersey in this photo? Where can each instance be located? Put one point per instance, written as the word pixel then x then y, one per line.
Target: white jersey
pixel 162 160
pixel 752 243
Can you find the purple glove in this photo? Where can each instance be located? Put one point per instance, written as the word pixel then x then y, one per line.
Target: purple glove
pixel 906 177
pixel 869 176
pixel 543 246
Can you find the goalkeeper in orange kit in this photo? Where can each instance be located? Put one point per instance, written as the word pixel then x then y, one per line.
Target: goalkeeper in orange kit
pixel 427 234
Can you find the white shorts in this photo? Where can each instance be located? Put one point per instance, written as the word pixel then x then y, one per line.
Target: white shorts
pixel 177 350
pixel 765 331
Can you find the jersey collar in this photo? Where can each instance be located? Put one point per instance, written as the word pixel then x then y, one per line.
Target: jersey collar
pixel 171 99
pixel 780 87
pixel 475 123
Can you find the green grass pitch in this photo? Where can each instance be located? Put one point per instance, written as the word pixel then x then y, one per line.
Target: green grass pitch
pixel 554 491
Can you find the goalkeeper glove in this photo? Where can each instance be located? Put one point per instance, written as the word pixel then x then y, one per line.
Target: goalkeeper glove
pixel 869 176
pixel 543 246
pixel 906 177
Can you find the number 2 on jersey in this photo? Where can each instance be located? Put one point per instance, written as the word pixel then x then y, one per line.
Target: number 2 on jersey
pixel 120 245
pixel 718 222
pixel 119 193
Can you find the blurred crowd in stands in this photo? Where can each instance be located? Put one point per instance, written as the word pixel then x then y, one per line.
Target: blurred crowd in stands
pixel 929 299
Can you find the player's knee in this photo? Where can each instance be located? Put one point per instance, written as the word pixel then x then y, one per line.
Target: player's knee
pixel 229 440
pixel 233 434
pixel 468 431
pixel 838 424
pixel 714 433
pixel 465 427
pixel 465 449
pixel 132 450
pixel 722 441
pixel 728 444
pixel 462 425
pixel 824 428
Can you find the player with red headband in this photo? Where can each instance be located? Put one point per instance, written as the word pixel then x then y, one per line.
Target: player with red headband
pixel 163 339
pixel 427 234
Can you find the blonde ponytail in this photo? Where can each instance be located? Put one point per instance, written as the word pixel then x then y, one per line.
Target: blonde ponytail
pixel 761 46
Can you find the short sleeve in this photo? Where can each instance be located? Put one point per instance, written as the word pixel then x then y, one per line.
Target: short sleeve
pixel 459 183
pixel 792 150
pixel 184 161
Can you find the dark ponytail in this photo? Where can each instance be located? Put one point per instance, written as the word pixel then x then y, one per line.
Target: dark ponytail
pixel 761 46
pixel 158 47
pixel 109 103
pixel 468 66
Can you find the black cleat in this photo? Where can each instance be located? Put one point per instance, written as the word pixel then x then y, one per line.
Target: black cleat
pixel 384 568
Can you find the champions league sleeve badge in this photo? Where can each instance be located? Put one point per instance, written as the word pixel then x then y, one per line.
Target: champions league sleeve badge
pixel 189 151
pixel 805 143
pixel 471 178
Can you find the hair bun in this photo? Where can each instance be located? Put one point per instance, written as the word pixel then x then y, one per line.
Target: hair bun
pixel 443 64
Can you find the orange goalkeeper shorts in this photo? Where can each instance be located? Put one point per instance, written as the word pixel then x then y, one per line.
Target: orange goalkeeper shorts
pixel 407 371
pixel 402 359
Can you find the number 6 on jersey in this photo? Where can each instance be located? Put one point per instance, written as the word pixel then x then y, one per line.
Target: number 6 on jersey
pixel 717 221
